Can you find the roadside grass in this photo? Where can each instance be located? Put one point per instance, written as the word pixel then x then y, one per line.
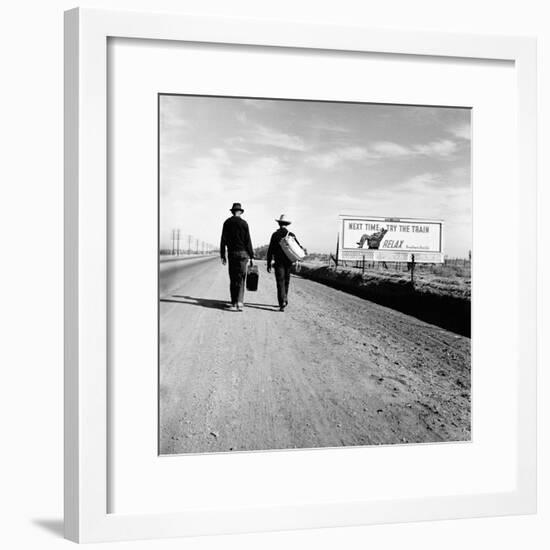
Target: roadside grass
pixel 444 280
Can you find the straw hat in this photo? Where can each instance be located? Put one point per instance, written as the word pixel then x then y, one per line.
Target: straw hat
pixel 283 219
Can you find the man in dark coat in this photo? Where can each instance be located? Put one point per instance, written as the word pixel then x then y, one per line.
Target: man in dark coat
pixel 236 238
pixel 282 263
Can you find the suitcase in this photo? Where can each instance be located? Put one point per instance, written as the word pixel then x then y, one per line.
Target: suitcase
pixel 292 250
pixel 252 277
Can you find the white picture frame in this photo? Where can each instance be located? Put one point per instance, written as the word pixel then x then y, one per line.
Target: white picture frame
pixel 86 274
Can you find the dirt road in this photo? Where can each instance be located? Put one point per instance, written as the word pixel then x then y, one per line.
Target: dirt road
pixel 332 370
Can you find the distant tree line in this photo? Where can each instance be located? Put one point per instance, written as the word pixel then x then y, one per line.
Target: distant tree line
pixel 260 253
pixel 317 257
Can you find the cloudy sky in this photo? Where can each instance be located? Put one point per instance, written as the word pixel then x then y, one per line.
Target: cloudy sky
pixel 311 161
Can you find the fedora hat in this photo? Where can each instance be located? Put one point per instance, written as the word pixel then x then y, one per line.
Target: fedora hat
pixel 236 206
pixel 283 219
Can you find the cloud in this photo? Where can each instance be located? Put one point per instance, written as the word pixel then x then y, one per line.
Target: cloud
pixel 261 167
pixel 336 156
pixel 221 156
pixel 382 150
pixel 259 134
pixel 462 131
pixel 195 196
pixel 242 117
pixel 311 162
pixel 424 195
pixel 441 148
pixel 209 177
pixel 257 103
pixel 174 123
pixel 421 184
pixel 428 183
pixel 331 128
pixel 267 136
pixel 385 149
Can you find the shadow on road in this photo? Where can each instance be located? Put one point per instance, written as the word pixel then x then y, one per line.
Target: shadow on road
pixel 214 304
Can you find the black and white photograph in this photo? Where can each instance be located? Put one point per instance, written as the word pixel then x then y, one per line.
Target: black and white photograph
pixel 314 274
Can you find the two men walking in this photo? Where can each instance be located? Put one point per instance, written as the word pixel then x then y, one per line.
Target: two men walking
pixel 236 238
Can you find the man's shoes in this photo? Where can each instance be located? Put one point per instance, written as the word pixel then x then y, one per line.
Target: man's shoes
pixel 232 307
pixel 282 308
pixel 240 306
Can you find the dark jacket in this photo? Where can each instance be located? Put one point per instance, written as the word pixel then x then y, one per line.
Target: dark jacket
pixel 236 237
pixel 275 252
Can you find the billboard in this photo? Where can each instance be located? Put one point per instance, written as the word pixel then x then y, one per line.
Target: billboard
pixel 390 239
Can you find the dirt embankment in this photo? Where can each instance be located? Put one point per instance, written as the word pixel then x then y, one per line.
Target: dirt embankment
pixel 442 301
